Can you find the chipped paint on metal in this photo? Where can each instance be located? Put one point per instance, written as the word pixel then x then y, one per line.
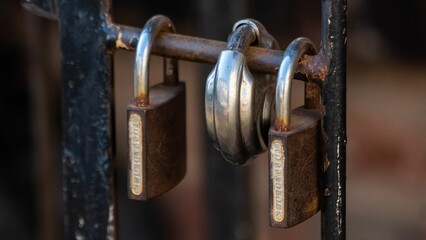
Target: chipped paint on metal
pixel 119 43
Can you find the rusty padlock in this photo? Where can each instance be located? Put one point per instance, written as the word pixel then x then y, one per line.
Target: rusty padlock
pixel 295 147
pixel 156 122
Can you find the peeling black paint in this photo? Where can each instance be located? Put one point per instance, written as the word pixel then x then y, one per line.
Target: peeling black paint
pixel 333 217
pixel 88 188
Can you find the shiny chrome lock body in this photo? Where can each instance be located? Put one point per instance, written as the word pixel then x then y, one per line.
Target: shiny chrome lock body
pixel 295 147
pixel 237 103
pixel 156 122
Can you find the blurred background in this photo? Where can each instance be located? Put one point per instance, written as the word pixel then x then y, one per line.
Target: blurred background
pixel 386 127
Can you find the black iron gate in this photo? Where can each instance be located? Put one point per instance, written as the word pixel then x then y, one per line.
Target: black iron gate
pixel 89 38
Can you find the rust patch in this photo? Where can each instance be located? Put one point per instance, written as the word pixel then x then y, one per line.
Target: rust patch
pixel 281 125
pixel 312 206
pixel 294 169
pixel 141 101
pixel 315 67
pixel 311 67
pixel 312 95
pixel 161 139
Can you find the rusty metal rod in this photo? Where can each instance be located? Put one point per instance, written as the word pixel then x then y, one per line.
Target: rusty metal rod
pixel 202 50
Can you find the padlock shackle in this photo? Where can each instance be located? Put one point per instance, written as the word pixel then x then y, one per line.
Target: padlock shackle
pixel 248 32
pixel 241 38
pixel 291 58
pixel 263 38
pixel 150 31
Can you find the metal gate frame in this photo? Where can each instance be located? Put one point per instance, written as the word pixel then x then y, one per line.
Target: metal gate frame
pixel 88 41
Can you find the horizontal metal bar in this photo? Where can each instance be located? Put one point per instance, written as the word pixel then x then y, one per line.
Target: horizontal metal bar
pixel 194 49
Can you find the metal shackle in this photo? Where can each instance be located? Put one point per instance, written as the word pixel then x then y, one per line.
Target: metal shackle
pixel 150 31
pixel 292 55
pixel 263 38
pixel 235 99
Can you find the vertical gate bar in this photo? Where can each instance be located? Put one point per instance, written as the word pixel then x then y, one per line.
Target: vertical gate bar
pixel 333 216
pixel 88 181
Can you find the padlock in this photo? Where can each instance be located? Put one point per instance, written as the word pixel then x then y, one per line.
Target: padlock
pixel 238 110
pixel 295 147
pixel 156 122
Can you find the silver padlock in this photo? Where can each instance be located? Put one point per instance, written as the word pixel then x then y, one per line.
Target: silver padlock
pixel 237 103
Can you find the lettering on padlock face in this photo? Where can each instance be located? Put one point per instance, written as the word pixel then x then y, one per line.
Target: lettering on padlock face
pixel 135 140
pixel 277 165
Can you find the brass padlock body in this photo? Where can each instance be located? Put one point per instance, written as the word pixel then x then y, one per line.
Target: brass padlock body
pixel 294 164
pixel 158 131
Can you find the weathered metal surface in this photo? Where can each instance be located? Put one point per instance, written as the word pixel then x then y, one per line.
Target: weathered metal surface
pixel 202 50
pixel 312 68
pixel 161 142
pixel 294 159
pixel 333 219
pixel 88 181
